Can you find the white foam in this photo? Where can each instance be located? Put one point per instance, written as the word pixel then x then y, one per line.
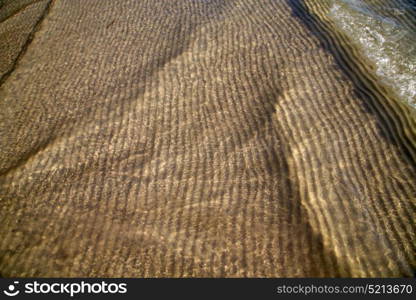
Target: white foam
pixel 388 44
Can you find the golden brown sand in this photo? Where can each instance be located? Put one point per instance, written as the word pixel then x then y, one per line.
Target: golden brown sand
pixel 199 138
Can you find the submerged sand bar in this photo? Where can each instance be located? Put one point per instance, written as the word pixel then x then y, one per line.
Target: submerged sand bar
pixel 197 138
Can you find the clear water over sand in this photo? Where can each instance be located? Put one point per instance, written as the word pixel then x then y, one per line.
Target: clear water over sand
pixel 203 138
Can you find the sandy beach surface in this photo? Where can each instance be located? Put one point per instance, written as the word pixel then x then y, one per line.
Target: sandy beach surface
pixel 198 138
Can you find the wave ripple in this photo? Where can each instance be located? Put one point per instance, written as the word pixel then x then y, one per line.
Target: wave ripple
pixel 385 31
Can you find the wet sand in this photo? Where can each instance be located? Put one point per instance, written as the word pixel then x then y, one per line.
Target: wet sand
pixel 198 139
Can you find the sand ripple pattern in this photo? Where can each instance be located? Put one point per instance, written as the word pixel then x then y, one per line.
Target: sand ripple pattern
pixel 200 138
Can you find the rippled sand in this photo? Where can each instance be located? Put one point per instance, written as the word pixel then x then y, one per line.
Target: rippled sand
pixel 198 138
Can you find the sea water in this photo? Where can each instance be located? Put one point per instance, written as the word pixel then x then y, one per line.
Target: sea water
pixel 385 32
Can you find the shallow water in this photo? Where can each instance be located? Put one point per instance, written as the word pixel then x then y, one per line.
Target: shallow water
pixel 199 139
pixel 385 32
